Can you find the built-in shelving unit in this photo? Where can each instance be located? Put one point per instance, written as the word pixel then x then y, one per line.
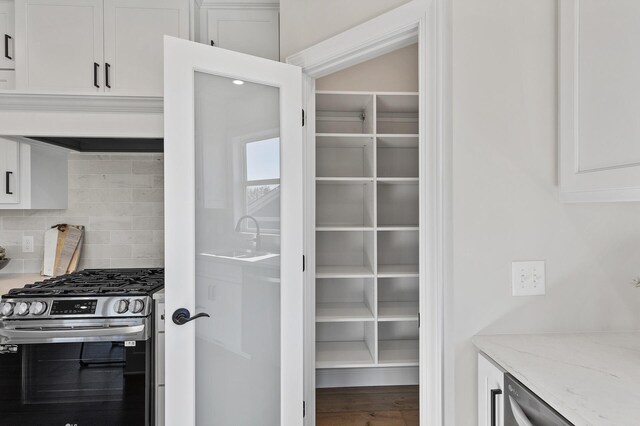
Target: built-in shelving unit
pixel 367 229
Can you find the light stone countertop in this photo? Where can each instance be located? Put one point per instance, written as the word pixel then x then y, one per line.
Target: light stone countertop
pixel 592 379
pixel 10 281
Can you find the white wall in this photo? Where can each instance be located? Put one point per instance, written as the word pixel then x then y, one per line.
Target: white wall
pixel 396 71
pixel 505 194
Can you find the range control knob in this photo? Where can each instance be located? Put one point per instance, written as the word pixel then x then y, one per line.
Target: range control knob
pixel 138 306
pixel 38 308
pixel 121 306
pixel 22 308
pixel 6 309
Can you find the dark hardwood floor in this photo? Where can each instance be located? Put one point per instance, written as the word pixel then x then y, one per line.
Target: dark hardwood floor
pixel 367 406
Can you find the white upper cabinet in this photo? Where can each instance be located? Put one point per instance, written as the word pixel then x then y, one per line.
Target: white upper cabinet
pixel 7 56
pixel 9 167
pixel 86 46
pixel 133 43
pixel 599 101
pixel 59 45
pixel 246 30
pixel 32 175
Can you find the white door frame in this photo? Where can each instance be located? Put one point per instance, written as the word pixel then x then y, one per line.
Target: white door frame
pixel 182 58
pixel 425 22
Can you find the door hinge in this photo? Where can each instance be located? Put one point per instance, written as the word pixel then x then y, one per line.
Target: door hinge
pixel 304 408
pixel 303 118
pixel 304 263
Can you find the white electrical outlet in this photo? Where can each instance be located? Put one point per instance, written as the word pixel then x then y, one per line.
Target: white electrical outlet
pixel 528 278
pixel 27 244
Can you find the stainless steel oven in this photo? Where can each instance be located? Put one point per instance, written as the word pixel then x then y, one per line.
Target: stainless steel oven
pixel 78 350
pixel 524 408
pixel 74 372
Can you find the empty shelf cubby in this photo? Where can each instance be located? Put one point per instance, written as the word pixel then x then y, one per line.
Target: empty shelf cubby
pixel 398 253
pixel 397 157
pixel 398 204
pixel 344 254
pixel 397 114
pixel 343 156
pixel 345 344
pixel 344 113
pixel 340 300
pixel 398 299
pixel 344 203
pixel 398 343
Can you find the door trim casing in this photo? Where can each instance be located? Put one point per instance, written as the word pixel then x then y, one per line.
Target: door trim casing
pixel 427 22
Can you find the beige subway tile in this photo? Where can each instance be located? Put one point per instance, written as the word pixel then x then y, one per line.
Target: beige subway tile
pixel 105 251
pixel 153 167
pixel 131 237
pixel 147 251
pixel 152 194
pixel 109 223
pixel 142 223
pixel 130 181
pixel 137 263
pixel 23 223
pixel 10 238
pixel 88 181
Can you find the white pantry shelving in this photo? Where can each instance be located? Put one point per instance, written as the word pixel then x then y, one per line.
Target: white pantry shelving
pixel 367 229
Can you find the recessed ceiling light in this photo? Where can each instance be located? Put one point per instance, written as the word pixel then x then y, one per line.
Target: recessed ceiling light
pixel 238 82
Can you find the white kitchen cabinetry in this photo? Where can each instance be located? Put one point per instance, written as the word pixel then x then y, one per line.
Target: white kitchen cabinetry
pixel 95 45
pixel 59 45
pixel 7 18
pixel 133 42
pixel 366 229
pixel 33 176
pixel 599 100
pixel 159 335
pixel 246 30
pixel 490 393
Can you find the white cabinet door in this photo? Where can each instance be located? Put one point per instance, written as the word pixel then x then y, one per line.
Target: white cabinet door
pixel 7 17
pixel 9 171
pixel 490 393
pixel 7 79
pixel 251 31
pixel 599 100
pixel 133 43
pixel 59 45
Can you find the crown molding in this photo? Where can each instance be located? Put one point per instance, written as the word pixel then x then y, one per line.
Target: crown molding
pixel 205 4
pixel 16 101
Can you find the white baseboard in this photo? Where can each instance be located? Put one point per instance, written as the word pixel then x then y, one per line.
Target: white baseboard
pixel 378 376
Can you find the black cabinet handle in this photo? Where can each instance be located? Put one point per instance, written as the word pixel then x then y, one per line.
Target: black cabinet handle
pixel 494 393
pixel 8 186
pixel 182 316
pixel 7 37
pixel 212 43
pixel 96 66
pixel 107 67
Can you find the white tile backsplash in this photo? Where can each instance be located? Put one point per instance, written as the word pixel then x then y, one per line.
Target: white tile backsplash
pixel 117 197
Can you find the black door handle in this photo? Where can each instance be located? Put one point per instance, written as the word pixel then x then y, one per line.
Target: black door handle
pixel 107 67
pixel 494 393
pixel 7 37
pixel 212 43
pixel 8 187
pixel 182 316
pixel 95 74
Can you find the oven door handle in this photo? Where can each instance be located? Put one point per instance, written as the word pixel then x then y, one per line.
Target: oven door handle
pixel 518 414
pixel 76 334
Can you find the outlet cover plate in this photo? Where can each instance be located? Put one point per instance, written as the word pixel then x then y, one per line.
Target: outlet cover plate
pixel 528 278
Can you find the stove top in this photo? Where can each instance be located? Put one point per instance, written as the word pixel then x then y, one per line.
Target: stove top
pixel 95 282
pixel 90 294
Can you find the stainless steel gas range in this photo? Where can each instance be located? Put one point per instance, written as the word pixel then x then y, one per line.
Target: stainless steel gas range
pixel 79 349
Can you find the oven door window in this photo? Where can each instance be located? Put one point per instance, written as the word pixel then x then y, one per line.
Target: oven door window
pixel 91 383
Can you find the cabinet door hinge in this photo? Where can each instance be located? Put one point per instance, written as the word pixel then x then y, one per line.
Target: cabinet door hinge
pixel 303 118
pixel 304 263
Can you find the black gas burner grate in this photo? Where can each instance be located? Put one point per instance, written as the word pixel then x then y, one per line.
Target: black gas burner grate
pixel 90 282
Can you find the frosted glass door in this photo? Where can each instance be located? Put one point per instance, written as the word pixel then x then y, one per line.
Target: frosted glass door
pixel 233 238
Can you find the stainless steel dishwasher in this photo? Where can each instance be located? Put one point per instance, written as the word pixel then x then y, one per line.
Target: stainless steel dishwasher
pixel 524 408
